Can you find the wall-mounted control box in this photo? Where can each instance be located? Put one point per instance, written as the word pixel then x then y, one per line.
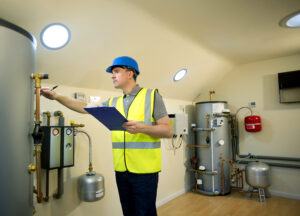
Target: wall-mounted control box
pixel 57 147
pixel 179 123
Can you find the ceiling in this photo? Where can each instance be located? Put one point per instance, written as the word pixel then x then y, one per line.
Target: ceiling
pixel 208 38
pixel 240 30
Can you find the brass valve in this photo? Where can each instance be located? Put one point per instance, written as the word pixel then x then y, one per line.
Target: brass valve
pixel 72 122
pixel 38 78
pixel 90 167
pixel 31 168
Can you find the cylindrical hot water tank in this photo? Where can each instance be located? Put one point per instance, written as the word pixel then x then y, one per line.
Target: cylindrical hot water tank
pixel 17 62
pixel 213 139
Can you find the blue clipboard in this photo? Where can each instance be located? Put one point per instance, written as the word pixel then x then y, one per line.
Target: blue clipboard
pixel 109 116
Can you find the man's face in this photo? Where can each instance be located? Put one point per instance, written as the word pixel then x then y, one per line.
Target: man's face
pixel 120 77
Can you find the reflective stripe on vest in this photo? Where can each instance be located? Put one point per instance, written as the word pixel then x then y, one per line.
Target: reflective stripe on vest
pixel 137 153
pixel 136 145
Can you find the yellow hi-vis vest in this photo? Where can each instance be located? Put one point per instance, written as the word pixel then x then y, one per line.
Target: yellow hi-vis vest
pixel 136 153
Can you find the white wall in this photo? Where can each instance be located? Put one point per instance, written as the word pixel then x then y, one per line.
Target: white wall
pixel 171 179
pixel 280 134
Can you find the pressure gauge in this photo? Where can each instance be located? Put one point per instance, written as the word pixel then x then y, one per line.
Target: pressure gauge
pixel 221 142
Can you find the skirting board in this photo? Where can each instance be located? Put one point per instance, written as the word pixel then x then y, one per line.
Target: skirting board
pixel 178 193
pixel 172 196
pixel 283 194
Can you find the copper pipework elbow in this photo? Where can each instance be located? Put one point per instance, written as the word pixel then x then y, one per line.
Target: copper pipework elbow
pixel 47 113
pixel 58 113
pixel 38 78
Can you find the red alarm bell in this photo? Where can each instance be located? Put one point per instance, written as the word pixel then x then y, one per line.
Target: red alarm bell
pixel 253 123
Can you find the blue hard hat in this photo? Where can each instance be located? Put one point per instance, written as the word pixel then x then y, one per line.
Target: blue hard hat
pixel 124 61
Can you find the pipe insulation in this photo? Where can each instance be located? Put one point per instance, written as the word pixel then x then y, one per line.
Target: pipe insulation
pixel 60 171
pixel 286 165
pixel 270 157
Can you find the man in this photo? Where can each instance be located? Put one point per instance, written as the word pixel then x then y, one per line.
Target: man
pixel 136 151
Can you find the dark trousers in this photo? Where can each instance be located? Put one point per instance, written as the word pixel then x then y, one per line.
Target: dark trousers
pixel 137 193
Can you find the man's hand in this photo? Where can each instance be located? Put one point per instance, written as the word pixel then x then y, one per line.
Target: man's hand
pixel 75 105
pixel 133 127
pixel 162 129
pixel 46 92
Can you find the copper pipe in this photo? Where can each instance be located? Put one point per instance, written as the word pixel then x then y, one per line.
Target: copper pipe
pixel 38 150
pixel 222 172
pixel 242 177
pixel 37 105
pixel 48 114
pixel 223 178
pixel 38 146
pixel 237 177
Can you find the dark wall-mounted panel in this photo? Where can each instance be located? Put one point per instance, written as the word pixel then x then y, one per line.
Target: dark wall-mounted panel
pixel 289 86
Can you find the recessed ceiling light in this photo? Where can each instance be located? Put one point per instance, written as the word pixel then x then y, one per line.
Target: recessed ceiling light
pixel 179 75
pixel 55 36
pixel 291 21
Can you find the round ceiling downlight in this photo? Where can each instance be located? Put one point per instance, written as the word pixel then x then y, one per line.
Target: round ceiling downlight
pixel 291 21
pixel 179 75
pixel 55 36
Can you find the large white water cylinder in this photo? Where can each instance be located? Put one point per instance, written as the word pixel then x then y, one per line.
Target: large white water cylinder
pixel 17 62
